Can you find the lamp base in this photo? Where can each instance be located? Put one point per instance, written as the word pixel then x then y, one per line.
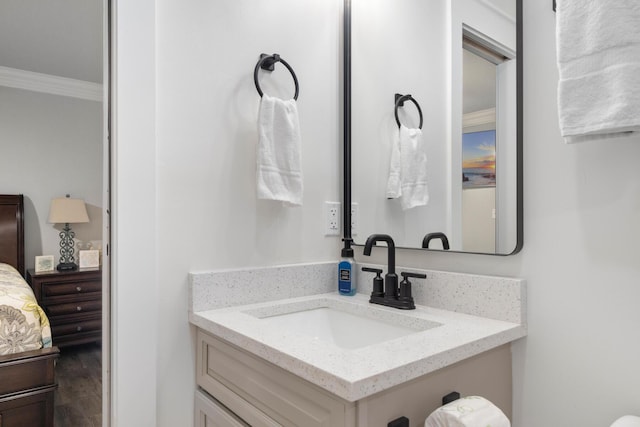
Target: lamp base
pixel 67 266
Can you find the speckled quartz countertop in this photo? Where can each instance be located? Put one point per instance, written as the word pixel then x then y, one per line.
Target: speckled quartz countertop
pixel 353 374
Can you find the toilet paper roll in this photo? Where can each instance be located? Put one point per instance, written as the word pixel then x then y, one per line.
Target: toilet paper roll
pixel 627 421
pixel 471 411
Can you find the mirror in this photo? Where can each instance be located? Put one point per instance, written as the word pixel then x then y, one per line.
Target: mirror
pixel 452 179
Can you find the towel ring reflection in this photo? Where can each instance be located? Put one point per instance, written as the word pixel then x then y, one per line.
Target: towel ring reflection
pixel 267 62
pixel 400 99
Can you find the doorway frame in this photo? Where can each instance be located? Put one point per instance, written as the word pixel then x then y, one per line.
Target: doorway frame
pixel 133 300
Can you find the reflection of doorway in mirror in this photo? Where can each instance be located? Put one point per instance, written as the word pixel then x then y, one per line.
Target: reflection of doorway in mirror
pixel 480 102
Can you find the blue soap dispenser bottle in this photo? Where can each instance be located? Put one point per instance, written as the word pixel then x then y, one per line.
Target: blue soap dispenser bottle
pixel 347 273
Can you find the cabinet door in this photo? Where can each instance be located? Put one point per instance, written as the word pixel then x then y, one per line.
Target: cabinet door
pixel 211 413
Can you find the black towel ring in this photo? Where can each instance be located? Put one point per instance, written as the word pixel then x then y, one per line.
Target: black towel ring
pixel 400 99
pixel 267 62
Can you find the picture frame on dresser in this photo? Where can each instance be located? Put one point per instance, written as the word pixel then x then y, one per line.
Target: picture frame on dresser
pixel 89 258
pixel 44 263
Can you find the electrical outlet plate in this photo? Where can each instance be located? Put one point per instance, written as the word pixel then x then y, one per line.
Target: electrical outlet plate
pixel 331 218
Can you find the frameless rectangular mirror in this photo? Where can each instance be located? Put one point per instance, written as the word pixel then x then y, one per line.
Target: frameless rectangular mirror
pixel 456 171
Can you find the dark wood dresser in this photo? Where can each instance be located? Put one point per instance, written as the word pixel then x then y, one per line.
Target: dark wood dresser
pixel 73 303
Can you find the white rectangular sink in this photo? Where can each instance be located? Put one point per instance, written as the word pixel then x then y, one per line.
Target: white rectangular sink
pixel 350 347
pixel 341 328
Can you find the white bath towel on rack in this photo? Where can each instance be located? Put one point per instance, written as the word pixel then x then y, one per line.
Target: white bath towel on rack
pixel 598 52
pixel 279 157
pixel 394 182
pixel 408 169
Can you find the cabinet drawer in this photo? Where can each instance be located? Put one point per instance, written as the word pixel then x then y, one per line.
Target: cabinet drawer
pixel 56 289
pixel 29 370
pixel 210 413
pixel 32 408
pixel 76 327
pixel 73 307
pixel 244 383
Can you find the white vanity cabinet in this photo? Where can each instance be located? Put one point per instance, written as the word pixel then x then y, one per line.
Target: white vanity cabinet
pixel 263 394
pixel 211 413
pixel 242 389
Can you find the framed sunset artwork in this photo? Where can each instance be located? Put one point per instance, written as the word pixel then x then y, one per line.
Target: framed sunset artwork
pixel 479 159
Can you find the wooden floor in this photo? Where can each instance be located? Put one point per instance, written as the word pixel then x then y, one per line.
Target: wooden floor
pixel 78 400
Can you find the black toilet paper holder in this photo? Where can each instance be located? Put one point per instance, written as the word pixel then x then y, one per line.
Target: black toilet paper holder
pixel 454 395
pixel 404 421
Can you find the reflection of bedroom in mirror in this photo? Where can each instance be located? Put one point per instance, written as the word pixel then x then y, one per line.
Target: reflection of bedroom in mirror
pixel 52 111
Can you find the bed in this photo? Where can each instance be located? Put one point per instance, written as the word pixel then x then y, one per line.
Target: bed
pixel 27 358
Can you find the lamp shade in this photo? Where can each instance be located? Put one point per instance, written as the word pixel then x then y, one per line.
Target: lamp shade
pixel 67 210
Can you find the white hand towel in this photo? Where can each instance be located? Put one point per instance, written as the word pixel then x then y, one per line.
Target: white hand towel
pixel 395 170
pixel 598 52
pixel 409 157
pixel 472 411
pixel 279 158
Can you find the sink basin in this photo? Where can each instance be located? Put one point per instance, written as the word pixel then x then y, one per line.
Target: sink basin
pixel 345 326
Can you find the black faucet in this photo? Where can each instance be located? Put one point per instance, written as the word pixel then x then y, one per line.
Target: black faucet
pixel 429 237
pixel 391 278
pixel 392 296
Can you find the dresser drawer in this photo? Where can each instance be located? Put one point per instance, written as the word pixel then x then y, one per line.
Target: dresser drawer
pixel 28 370
pixel 73 307
pixel 57 289
pixel 76 327
pixel 73 302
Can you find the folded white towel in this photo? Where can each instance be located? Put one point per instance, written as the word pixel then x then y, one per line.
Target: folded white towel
pixel 395 169
pixel 279 158
pixel 472 411
pixel 598 52
pixel 408 169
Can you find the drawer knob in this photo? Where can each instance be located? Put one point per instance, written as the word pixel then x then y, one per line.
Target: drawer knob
pixel 79 288
pixel 78 308
pixel 79 328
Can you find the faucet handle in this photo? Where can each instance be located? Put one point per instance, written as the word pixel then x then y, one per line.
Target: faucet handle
pixel 378 283
pixel 405 275
pixel 405 288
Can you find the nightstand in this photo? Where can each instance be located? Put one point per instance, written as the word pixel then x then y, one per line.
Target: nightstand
pixel 73 303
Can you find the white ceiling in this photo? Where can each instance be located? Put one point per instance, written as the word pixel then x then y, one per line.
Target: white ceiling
pixel 58 37
pixel 479 83
pixel 506 6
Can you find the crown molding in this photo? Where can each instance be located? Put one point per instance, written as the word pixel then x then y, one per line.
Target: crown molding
pixel 499 11
pixel 46 83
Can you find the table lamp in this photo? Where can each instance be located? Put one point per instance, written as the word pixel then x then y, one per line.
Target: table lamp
pixel 66 210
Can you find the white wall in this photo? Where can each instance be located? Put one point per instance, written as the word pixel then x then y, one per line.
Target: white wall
pixel 578 366
pixel 207 213
pixel 478 220
pixel 50 146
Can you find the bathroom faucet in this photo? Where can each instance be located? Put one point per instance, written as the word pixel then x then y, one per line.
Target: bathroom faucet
pixel 391 278
pixel 431 236
pixel 393 296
